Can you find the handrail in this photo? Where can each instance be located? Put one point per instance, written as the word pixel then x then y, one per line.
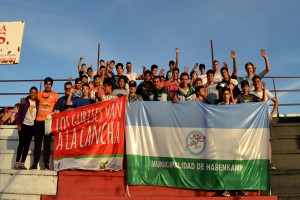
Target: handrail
pixel 274 80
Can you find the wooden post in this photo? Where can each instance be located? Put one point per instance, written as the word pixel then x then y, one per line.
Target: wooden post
pixel 98 64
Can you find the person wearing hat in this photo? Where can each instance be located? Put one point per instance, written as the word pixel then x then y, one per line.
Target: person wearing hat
pixel 132 95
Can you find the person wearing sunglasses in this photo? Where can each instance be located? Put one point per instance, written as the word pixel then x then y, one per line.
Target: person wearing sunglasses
pixel 47 100
pixel 61 104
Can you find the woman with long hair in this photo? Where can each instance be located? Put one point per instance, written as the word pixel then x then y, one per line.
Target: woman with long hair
pixel 26 117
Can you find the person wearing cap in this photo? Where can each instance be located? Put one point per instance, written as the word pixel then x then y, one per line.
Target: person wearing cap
pixel 132 95
pixel 245 97
pixel 185 91
pixel 211 90
pixel 220 87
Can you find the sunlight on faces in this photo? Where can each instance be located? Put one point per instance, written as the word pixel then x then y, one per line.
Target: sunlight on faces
pixel 225 74
pixel 78 85
pixel 132 89
pixel 48 86
pixel 257 83
pixel 33 94
pixel 68 89
pixel 210 77
pixel 215 66
pixel 154 71
pixel 157 83
pixel 83 67
pixel 184 80
pixel 226 96
pixel 85 91
pixel 121 83
pixel 245 89
pixel 119 70
pixel 249 69
pixel 198 83
pixel 129 67
pixel 175 74
pixel 147 77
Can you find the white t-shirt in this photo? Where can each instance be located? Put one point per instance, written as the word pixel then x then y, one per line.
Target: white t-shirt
pixel 218 77
pixel 30 114
pixel 260 94
pixel 132 76
pixel 203 78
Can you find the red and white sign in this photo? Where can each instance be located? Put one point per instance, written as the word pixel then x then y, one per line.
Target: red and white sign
pixel 11 36
pixel 90 137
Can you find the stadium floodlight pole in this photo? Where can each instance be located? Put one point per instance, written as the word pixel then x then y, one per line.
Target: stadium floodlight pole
pixel 98 56
pixel 212 52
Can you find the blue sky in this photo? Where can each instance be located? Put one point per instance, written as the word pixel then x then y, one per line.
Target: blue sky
pixel 147 32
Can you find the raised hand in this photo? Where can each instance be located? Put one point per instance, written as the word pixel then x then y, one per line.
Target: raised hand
pixel 177 50
pixel 225 64
pixel 263 53
pixel 186 69
pixel 232 54
pixel 91 65
pixel 162 72
pixel 144 68
pixel 81 58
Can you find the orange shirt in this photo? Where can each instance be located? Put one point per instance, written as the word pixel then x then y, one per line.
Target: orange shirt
pixel 47 102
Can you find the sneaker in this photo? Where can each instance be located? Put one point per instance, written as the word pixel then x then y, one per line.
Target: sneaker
pixel 16 166
pixel 242 193
pixel 226 193
pixel 272 167
pixel 22 166
pixel 46 166
pixel 33 166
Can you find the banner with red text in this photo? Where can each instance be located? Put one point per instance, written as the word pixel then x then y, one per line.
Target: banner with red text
pixel 90 137
pixel 11 36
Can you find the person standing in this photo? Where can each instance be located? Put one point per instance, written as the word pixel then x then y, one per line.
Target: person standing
pixel 26 116
pixel 47 100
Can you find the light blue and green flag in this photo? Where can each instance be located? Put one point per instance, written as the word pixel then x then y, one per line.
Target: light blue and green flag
pixel 198 146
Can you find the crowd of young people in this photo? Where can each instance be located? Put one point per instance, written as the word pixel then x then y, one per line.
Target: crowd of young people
pixel 110 81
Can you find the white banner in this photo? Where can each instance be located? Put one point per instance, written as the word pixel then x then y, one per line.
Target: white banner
pixel 11 36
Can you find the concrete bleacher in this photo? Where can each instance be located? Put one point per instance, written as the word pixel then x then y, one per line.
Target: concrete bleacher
pixel 49 185
pixel 22 184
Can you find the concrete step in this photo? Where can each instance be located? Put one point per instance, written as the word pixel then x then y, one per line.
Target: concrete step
pixel 8 130
pixel 28 182
pixel 286 130
pixel 285 161
pixel 285 144
pixel 20 197
pixel 12 142
pixel 8 159
pixel 285 182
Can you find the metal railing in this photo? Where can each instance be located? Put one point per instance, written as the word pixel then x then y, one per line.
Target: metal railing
pixel 275 81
